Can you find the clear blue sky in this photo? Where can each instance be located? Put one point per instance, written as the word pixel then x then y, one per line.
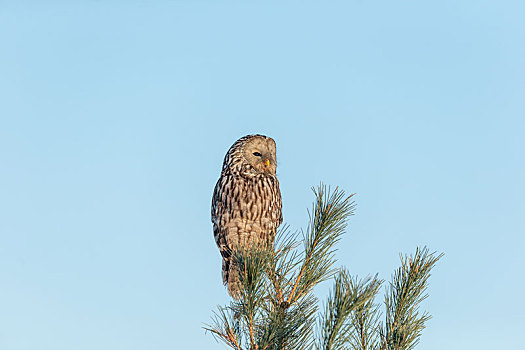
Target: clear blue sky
pixel 115 117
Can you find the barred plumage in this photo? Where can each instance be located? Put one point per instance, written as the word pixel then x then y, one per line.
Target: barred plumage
pixel 246 204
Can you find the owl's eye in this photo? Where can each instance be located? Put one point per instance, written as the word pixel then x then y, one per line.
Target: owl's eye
pixel 257 154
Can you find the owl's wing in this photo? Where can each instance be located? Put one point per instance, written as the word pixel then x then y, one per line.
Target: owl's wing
pixel 276 207
pixel 279 204
pixel 220 213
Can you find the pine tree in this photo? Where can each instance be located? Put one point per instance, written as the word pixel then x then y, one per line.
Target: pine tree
pixel 277 308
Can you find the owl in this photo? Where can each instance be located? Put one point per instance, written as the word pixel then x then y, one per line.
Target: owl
pixel 246 204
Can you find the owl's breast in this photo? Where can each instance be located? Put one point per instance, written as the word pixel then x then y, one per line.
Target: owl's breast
pixel 250 199
pixel 256 199
pixel 246 210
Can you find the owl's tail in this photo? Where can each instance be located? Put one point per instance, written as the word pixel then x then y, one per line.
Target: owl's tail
pixel 230 277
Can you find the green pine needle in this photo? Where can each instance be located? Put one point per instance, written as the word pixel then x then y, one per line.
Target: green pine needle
pixel 278 310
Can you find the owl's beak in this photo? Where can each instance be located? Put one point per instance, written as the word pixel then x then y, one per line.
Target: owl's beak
pixel 267 162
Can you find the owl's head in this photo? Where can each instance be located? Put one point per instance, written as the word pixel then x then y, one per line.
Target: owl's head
pixel 252 151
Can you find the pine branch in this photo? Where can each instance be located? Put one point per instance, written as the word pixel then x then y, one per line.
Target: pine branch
pixel 404 323
pixel 276 308
pixel 284 261
pixel 346 301
pixel 223 329
pixel 286 326
pixel 365 320
pixel 327 223
pixel 290 327
pixel 252 265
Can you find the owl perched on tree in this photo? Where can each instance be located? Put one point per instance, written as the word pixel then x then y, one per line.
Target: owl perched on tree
pixel 246 205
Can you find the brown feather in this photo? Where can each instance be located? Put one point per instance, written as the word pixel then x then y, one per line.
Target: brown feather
pixel 246 203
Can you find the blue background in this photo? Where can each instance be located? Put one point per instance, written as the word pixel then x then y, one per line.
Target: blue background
pixel 115 117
